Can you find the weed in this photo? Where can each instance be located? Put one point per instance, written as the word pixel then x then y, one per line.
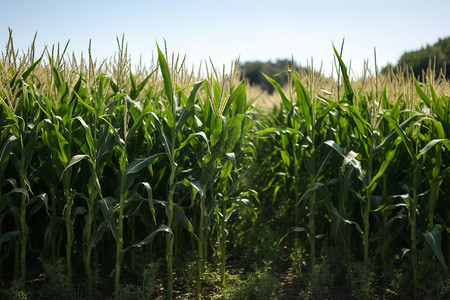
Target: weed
pixel 360 278
pixel 259 284
pixel 56 284
pixel 321 281
pixel 15 292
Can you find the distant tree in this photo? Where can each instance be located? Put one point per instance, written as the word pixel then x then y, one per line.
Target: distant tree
pixel 420 60
pixel 253 72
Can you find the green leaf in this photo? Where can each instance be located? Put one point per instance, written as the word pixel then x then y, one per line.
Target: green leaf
pixel 188 110
pixel 226 169
pixel 138 121
pixel 166 78
pixel 286 158
pixel 107 208
pixel 76 159
pixel 50 233
pixel 284 130
pixel 406 199
pixel 164 140
pixel 22 191
pixel 44 200
pixel 238 99
pixel 333 210
pixel 5 150
pixel 196 186
pixel 336 147
pixel 433 143
pixel 349 94
pixel 149 198
pixel 286 102
pixel 31 68
pixel 140 163
pixel 407 141
pixel 304 100
pixel 433 239
pixel 134 94
pixel 234 132
pixel 97 234
pixel 8 235
pixel 386 162
pixel 190 138
pixel 311 191
pixel 180 216
pixel 216 133
pixel 292 229
pixel 88 134
pixel 150 237
pixel 133 86
pixel 422 94
pixel 394 132
pixel 114 86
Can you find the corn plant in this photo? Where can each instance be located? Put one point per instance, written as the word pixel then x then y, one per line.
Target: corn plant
pixel 411 198
pixel 57 134
pixel 132 115
pixel 96 142
pixel 302 149
pixel 227 131
pixel 20 118
pixel 170 126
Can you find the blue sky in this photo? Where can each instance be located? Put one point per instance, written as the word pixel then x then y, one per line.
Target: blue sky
pixel 225 30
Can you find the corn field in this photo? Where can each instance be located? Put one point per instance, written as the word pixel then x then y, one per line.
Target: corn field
pixel 107 170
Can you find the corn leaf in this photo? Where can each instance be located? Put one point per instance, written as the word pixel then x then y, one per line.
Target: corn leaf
pixel 188 110
pixel 150 237
pixel 190 138
pixel 5 151
pixel 76 159
pixel 349 94
pixel 286 102
pixel 168 88
pixel 8 235
pixel 234 132
pixel 216 133
pixel 139 163
pixel 433 239
pixel 292 229
pixel 180 216
pixel 432 143
pixel 311 191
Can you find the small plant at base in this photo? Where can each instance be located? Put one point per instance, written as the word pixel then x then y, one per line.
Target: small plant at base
pixel 56 284
pixel 321 280
pixel 434 281
pixel 260 284
pixel 149 280
pixel 144 290
pixel 360 277
pixel 16 291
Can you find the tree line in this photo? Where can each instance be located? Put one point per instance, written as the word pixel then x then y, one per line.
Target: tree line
pixel 436 57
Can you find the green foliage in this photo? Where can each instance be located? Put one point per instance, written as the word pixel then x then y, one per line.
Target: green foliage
pixel 259 284
pixel 436 56
pixel 56 284
pixel 253 71
pixel 361 280
pixel 15 292
pixel 145 288
pixel 159 165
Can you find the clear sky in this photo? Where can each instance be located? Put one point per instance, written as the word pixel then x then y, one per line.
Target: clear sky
pixel 225 30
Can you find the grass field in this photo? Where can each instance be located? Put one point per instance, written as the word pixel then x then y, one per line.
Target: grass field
pixel 160 183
